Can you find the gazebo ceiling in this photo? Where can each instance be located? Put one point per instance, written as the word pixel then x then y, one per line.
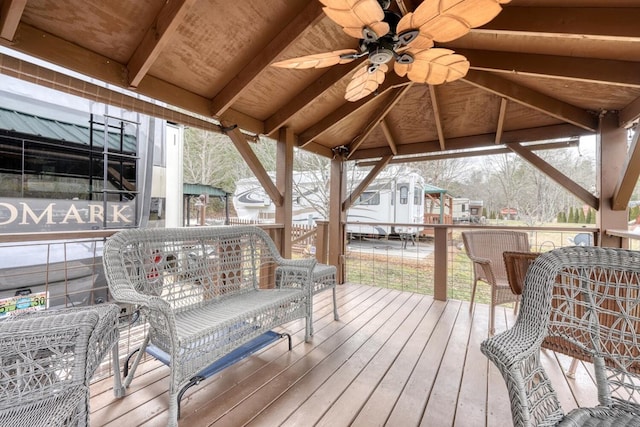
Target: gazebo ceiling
pixel 541 69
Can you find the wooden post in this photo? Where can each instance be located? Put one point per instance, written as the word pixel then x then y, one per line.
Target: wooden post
pixel 284 183
pixel 322 237
pixel 440 261
pixel 611 151
pixel 337 217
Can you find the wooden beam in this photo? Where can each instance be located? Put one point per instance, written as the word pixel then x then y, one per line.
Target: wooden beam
pixel 532 99
pixel 630 113
pixel 309 94
pixel 36 74
pixel 436 116
pixel 607 71
pixel 628 178
pixel 474 153
pixel 291 33
pixel 10 14
pixel 351 198
pixel 171 15
pixel 345 110
pixel 501 116
pixel 241 143
pixel 556 175
pixel 55 50
pixel 600 23
pixel 477 141
pixel 386 129
pixel 395 96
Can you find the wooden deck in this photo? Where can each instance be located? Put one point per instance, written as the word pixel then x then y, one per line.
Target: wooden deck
pixel 394 358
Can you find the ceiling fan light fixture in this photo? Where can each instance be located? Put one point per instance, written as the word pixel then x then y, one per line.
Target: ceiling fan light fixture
pixel 381 55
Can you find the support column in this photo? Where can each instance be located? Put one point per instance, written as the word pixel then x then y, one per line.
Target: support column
pixel 440 262
pixel 337 217
pixel 284 183
pixel 611 151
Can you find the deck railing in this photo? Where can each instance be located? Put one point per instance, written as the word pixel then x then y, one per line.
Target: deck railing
pixel 435 265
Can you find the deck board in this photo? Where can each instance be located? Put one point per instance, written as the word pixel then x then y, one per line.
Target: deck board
pixel 394 358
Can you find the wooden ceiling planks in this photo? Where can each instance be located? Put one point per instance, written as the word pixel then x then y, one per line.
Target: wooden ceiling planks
pixel 556 62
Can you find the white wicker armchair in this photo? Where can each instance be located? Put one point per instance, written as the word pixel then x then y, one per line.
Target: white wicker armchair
pixel 588 299
pixel 47 360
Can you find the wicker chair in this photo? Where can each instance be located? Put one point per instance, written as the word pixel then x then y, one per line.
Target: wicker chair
pixel 485 249
pixel 47 360
pixel 588 297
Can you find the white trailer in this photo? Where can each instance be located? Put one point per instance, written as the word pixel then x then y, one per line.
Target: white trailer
pixel 393 197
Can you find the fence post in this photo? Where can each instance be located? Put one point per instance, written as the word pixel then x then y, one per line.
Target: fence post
pixel 322 236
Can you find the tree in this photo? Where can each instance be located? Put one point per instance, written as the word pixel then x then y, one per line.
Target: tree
pixel 581 216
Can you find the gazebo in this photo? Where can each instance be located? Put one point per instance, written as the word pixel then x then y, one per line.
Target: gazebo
pixel 539 70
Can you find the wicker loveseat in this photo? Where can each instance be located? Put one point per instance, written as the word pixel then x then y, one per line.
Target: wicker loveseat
pixel 588 299
pixel 205 291
pixel 47 359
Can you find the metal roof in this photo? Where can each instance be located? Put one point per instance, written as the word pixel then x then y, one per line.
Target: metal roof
pixel 42 127
pixel 197 189
pixel 431 189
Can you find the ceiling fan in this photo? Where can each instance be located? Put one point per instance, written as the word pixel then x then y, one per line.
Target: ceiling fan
pixel 407 40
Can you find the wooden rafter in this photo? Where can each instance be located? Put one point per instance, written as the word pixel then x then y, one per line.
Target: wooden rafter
pixel 242 145
pixel 628 178
pixel 380 164
pixel 476 141
pixel 436 116
pixel 501 116
pixel 532 99
pixel 475 153
pixel 288 36
pixel 61 52
pixel 614 72
pixel 10 14
pixel 599 23
pixel 345 110
pixel 386 129
pixel 556 175
pixel 630 113
pixel 309 94
pixel 156 38
pixel 396 94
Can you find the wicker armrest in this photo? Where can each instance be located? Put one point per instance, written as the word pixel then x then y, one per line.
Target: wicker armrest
pixel 295 275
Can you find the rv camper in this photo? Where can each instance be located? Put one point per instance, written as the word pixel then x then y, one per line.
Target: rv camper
pixel 68 165
pixel 391 198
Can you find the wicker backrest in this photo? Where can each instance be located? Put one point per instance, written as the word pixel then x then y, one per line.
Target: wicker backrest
pixel 490 245
pixel 516 265
pixel 188 266
pixel 589 297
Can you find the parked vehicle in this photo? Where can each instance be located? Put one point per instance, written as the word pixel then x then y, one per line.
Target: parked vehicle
pixel 395 196
pixel 67 165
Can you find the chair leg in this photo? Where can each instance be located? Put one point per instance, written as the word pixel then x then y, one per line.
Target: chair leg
pixel 473 294
pixel 571 373
pixel 492 316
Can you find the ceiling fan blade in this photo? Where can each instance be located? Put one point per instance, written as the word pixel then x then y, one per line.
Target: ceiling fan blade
pixel 318 60
pixel 354 15
pixel 435 66
pixel 365 81
pixel 447 20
